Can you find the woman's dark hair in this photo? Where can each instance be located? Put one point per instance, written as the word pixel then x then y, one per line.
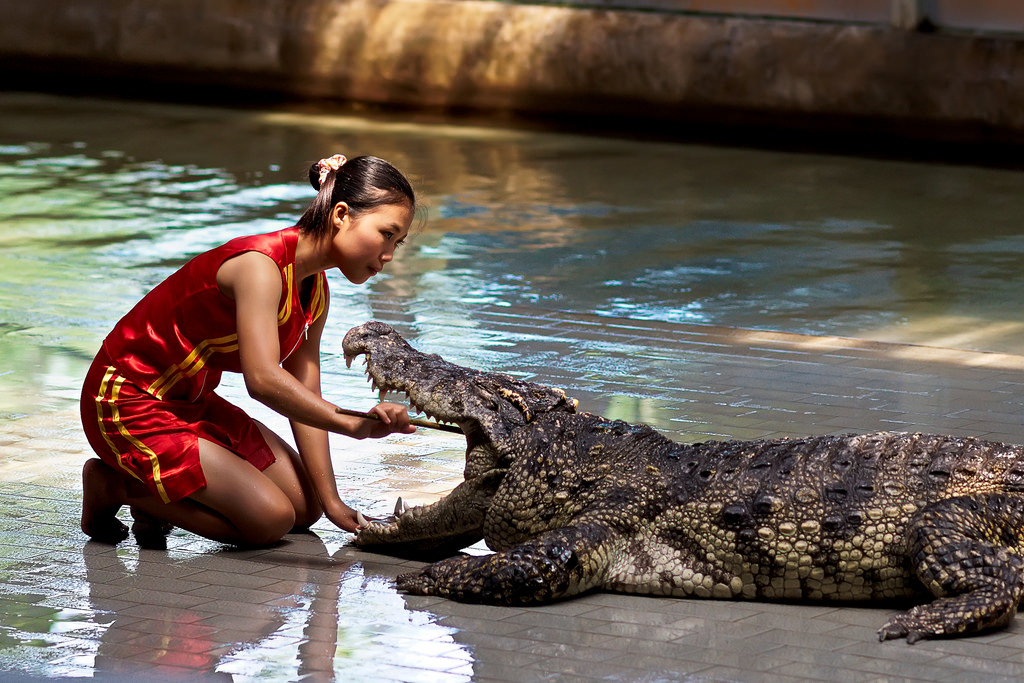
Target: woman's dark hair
pixel 364 183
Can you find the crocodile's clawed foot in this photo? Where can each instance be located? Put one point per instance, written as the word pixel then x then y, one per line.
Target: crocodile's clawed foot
pixel 915 624
pixel 416 583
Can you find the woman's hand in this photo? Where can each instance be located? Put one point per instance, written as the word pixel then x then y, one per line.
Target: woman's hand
pixel 344 517
pixel 393 418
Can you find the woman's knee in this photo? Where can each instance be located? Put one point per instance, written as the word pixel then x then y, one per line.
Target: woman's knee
pixel 289 474
pixel 262 514
pixel 273 521
pixel 308 517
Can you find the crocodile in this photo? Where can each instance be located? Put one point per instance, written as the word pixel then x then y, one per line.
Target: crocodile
pixel 571 502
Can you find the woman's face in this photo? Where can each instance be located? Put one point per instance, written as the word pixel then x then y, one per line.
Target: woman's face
pixel 364 244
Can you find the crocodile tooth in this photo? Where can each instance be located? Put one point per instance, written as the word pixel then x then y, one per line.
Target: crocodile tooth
pixel 399 507
pixel 381 394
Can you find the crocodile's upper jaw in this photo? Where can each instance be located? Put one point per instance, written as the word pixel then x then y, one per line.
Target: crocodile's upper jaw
pixel 488 407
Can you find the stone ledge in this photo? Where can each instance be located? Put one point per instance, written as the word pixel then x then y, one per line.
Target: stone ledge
pixel 534 59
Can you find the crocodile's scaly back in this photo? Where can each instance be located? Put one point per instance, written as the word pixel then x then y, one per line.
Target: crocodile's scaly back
pixel 572 502
pixel 820 518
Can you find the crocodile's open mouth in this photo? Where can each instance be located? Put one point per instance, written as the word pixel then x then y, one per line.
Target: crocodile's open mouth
pixel 486 406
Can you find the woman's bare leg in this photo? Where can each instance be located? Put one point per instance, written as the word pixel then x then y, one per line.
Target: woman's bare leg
pixel 239 504
pixel 145 523
pixel 103 494
pixel 149 531
pixel 289 474
pixel 280 497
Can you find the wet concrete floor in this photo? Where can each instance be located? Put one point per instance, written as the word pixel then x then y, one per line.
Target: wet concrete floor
pixel 316 608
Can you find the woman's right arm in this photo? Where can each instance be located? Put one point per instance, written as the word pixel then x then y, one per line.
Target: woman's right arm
pixel 253 280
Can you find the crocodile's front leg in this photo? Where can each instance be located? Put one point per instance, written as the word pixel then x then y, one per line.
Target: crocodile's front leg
pixel 439 529
pixel 967 551
pixel 556 564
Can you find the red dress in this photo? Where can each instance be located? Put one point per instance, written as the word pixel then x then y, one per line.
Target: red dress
pixel 149 395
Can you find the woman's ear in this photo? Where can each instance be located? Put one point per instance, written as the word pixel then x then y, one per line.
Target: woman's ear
pixel 340 214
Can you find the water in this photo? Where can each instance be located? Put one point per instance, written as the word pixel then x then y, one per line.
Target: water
pixel 100 200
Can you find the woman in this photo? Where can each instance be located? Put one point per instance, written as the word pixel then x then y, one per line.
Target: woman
pixel 180 455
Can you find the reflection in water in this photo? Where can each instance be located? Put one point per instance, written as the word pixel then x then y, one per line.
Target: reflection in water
pixel 314 615
pixel 101 200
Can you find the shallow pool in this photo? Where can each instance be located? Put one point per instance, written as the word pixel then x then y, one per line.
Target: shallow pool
pixel 533 251
pixel 99 200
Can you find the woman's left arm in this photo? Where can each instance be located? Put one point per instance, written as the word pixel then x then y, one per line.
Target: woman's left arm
pixel 312 442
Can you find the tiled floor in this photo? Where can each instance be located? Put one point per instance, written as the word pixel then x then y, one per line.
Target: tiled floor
pixel 315 608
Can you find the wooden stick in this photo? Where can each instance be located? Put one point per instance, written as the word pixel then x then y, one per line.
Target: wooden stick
pixel 419 423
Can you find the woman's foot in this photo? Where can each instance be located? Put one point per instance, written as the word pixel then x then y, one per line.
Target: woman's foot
pixel 103 494
pixel 150 532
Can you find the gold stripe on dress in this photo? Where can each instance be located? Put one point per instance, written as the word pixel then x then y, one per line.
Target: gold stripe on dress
pixel 186 368
pixel 286 307
pixel 197 359
pixel 115 388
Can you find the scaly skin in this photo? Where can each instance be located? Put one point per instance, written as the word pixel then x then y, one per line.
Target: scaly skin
pixel 573 502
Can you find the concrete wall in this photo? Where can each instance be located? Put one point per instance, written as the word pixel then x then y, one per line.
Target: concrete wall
pixel 496 56
pixel 862 11
pixel 991 16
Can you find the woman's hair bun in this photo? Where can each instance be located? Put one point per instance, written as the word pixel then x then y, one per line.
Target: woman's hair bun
pixel 325 167
pixel 314 175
